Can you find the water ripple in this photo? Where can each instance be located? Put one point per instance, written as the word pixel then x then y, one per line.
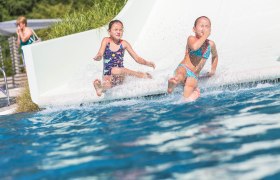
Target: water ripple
pixel 223 135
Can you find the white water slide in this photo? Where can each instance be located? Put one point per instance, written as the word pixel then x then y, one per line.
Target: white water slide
pixel 246 32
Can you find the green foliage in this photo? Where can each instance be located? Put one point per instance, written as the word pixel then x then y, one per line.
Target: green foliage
pixel 20 7
pixel 43 10
pixel 6 56
pixel 14 8
pixel 11 9
pixel 4 13
pixel 86 19
pixel 24 102
pixel 8 67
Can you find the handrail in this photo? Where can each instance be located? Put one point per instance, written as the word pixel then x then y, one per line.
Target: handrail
pixel 6 90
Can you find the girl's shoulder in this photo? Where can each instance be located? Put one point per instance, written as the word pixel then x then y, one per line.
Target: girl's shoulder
pixel 190 37
pixel 212 43
pixel 29 30
pixel 124 43
pixel 106 40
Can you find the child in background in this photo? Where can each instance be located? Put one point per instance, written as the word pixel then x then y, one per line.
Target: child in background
pixel 24 33
pixel 197 52
pixel 112 50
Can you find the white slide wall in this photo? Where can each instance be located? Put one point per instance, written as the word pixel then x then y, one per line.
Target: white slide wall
pixel 61 71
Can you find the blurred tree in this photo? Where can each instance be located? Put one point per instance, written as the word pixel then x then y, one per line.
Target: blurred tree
pixel 11 9
pixel 46 10
pixel 19 7
pixel 4 13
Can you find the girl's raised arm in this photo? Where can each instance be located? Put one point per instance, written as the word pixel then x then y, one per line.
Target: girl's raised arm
pixel 23 37
pixel 101 51
pixel 195 43
pixel 137 58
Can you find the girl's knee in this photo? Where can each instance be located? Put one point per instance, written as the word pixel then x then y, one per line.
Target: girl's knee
pixel 106 84
pixel 180 77
pixel 116 71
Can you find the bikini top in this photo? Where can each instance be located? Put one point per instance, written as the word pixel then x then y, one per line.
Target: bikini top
pixel 202 51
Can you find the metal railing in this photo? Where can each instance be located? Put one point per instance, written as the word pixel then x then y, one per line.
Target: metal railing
pixel 5 88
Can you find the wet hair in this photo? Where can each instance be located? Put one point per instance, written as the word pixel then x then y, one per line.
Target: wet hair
pixel 197 19
pixel 113 22
pixel 21 19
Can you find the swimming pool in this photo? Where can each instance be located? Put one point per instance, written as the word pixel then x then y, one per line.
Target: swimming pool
pixel 226 134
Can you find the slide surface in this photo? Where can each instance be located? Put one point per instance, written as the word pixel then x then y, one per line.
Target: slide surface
pixel 61 71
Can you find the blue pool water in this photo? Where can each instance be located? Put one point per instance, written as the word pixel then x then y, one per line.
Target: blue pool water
pixel 226 134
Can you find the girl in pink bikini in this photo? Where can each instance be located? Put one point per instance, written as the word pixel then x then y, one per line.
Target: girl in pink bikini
pixel 197 52
pixel 112 50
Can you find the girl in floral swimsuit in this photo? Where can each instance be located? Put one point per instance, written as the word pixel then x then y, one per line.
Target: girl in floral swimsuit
pixel 197 52
pixel 112 49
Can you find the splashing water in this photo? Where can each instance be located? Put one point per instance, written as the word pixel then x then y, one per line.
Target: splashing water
pixel 224 134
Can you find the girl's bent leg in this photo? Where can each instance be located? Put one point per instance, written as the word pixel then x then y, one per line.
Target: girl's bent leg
pixel 107 82
pixel 194 95
pixel 174 81
pixel 127 72
pixel 102 87
pixel 98 87
pixel 190 89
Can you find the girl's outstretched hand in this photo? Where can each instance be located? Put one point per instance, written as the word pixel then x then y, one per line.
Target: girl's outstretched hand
pixel 207 75
pixel 151 64
pixel 210 74
pixel 97 58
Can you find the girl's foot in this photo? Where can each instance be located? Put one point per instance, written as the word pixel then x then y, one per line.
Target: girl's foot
pixel 148 76
pixel 143 75
pixel 98 87
pixel 172 83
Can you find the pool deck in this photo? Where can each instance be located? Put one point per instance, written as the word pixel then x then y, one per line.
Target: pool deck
pixel 4 108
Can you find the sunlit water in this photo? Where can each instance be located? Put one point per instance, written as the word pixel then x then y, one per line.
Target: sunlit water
pixel 226 134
